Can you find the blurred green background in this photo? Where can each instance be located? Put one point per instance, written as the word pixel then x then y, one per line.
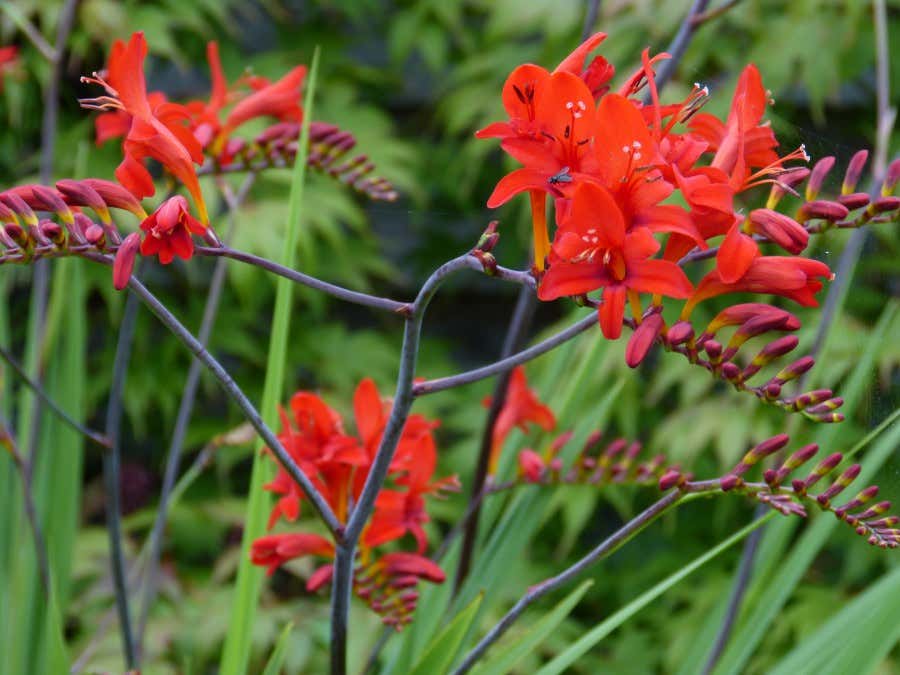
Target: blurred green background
pixel 413 81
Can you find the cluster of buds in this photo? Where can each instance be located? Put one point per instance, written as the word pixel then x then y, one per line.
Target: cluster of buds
pixel 617 463
pixel 25 235
pixel 850 209
pixel 791 498
pixel 721 358
pixel 389 585
pixel 329 150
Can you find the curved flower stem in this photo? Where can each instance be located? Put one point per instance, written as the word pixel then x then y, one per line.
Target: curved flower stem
pixel 185 408
pixel 342 582
pixel 111 480
pixel 504 365
pixel 94 436
pixel 236 394
pixel 306 280
pixel 605 548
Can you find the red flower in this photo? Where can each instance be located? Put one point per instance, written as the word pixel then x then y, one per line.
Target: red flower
pixel 158 133
pixel 793 278
pixel 521 408
pixel 169 231
pixel 743 141
pixel 592 250
pixel 274 550
pixel 280 99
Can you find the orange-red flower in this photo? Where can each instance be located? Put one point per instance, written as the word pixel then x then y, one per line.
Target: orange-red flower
pixel 592 250
pixel 158 133
pixel 794 278
pixel 338 463
pixel 169 229
pixel 521 408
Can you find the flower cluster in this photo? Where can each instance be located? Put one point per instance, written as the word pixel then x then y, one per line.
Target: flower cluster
pixel 182 136
pixel 338 464
pixel 611 165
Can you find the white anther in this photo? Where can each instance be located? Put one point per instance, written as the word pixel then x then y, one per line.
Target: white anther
pixel 626 149
pixel 593 230
pixel 582 105
pixel 637 155
pixel 569 105
pixel 636 145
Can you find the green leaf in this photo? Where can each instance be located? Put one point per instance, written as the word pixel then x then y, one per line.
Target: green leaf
pixel 273 667
pixel 595 635
pixel 856 639
pixel 505 661
pixel 442 649
pixel 236 650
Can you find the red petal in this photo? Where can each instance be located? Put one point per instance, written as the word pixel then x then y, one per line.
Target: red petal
pixel 736 254
pixel 612 311
pixel 124 262
pixel 565 279
pixel 658 276
pixel 515 182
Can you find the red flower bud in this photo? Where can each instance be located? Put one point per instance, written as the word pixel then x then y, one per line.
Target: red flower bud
pixel 855 200
pixel 531 466
pixel 780 229
pixel 642 339
pixel 817 178
pixel 825 210
pixel 854 171
pixel 123 264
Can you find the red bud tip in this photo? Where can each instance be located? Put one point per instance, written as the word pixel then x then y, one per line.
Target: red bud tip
pixel 885 204
pixel 892 177
pixel 531 466
pixel 780 229
pixel 95 236
pixel 123 264
pixel 855 200
pixel 854 171
pixel 642 339
pixel 671 478
pixel 731 372
pixel 817 177
pixel 679 333
pixel 824 210
pixel 713 349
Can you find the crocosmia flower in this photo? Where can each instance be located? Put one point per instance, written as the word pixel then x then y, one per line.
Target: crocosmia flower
pixel 169 229
pixel 156 132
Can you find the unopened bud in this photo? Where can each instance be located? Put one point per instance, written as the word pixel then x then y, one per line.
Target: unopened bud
pixel 53 232
pixel 642 339
pixel 854 171
pixel 123 264
pixel 855 200
pixel 817 177
pixel 780 229
pixel 891 178
pixel 679 333
pixel 671 478
pixel 884 204
pixel 824 210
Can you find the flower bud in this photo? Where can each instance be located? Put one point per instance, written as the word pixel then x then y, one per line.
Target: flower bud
pixel 123 264
pixel 642 339
pixel 855 200
pixel 884 204
pixel 780 229
pixel 824 210
pixel 80 193
pixel 854 171
pixel 817 177
pixel 680 332
pixel 891 178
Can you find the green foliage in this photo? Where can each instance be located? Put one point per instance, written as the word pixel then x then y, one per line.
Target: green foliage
pixel 413 84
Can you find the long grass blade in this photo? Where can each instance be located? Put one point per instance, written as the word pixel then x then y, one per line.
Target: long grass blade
pixel 236 651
